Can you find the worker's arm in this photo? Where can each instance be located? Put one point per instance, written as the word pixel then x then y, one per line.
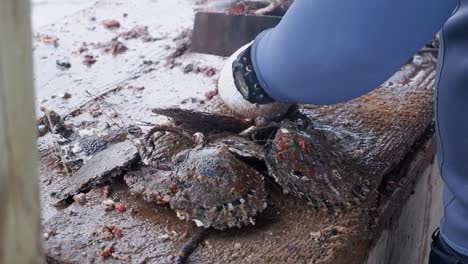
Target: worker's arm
pixel 328 51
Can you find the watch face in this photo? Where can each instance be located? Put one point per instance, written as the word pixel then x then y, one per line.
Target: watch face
pixel 241 85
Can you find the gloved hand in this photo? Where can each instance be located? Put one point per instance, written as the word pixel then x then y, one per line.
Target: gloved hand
pixel 234 100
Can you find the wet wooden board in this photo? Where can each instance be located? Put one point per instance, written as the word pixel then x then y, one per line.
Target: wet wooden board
pixel 289 231
pixel 120 90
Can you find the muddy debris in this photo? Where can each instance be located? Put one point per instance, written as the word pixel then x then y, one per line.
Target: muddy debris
pixel 120 207
pixel 210 72
pixel 125 258
pixel 51 121
pixel 79 198
pixel 63 64
pixel 89 59
pixel 109 205
pixel 107 251
pixel 57 161
pixel 66 95
pixel 192 100
pixel 48 39
pixel 107 191
pixel 134 33
pixel 94 110
pixel 138 32
pixel 188 68
pixel 149 62
pixel 109 233
pixel 82 49
pixel 170 63
pixel 182 45
pixel 210 94
pixel 111 23
pixel 115 47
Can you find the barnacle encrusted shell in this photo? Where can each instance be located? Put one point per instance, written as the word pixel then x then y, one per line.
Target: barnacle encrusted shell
pixel 216 189
pixel 152 184
pixel 154 180
pixel 306 163
pixel 158 149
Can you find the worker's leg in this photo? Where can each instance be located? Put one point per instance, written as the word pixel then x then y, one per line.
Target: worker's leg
pixel 452 128
pixel 442 253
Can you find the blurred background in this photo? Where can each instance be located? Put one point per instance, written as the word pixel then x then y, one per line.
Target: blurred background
pixel 48 11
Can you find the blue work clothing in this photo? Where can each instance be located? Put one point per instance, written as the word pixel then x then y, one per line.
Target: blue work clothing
pixel 326 52
pixel 442 253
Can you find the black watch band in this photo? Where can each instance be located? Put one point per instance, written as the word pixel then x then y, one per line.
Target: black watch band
pixel 246 80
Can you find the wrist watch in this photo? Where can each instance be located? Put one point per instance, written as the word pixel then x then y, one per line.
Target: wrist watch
pixel 246 80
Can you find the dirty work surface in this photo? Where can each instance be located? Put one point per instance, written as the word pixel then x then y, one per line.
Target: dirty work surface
pixel 107 67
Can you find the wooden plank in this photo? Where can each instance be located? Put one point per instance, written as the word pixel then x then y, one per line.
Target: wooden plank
pixel 289 231
pixel 19 213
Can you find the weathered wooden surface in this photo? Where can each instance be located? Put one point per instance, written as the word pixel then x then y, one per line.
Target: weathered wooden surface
pixel 162 74
pixel 19 196
pixel 405 239
pixel 289 231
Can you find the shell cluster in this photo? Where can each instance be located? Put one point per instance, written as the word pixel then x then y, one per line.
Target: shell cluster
pixel 203 180
pixel 217 180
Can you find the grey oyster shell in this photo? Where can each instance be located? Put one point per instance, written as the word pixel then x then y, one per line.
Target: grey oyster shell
pixel 216 189
pixel 152 184
pixel 307 165
pixel 158 149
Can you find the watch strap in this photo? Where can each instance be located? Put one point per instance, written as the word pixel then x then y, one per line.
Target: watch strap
pixel 243 68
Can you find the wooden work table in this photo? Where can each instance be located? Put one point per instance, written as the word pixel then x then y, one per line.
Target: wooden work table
pixel 110 87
